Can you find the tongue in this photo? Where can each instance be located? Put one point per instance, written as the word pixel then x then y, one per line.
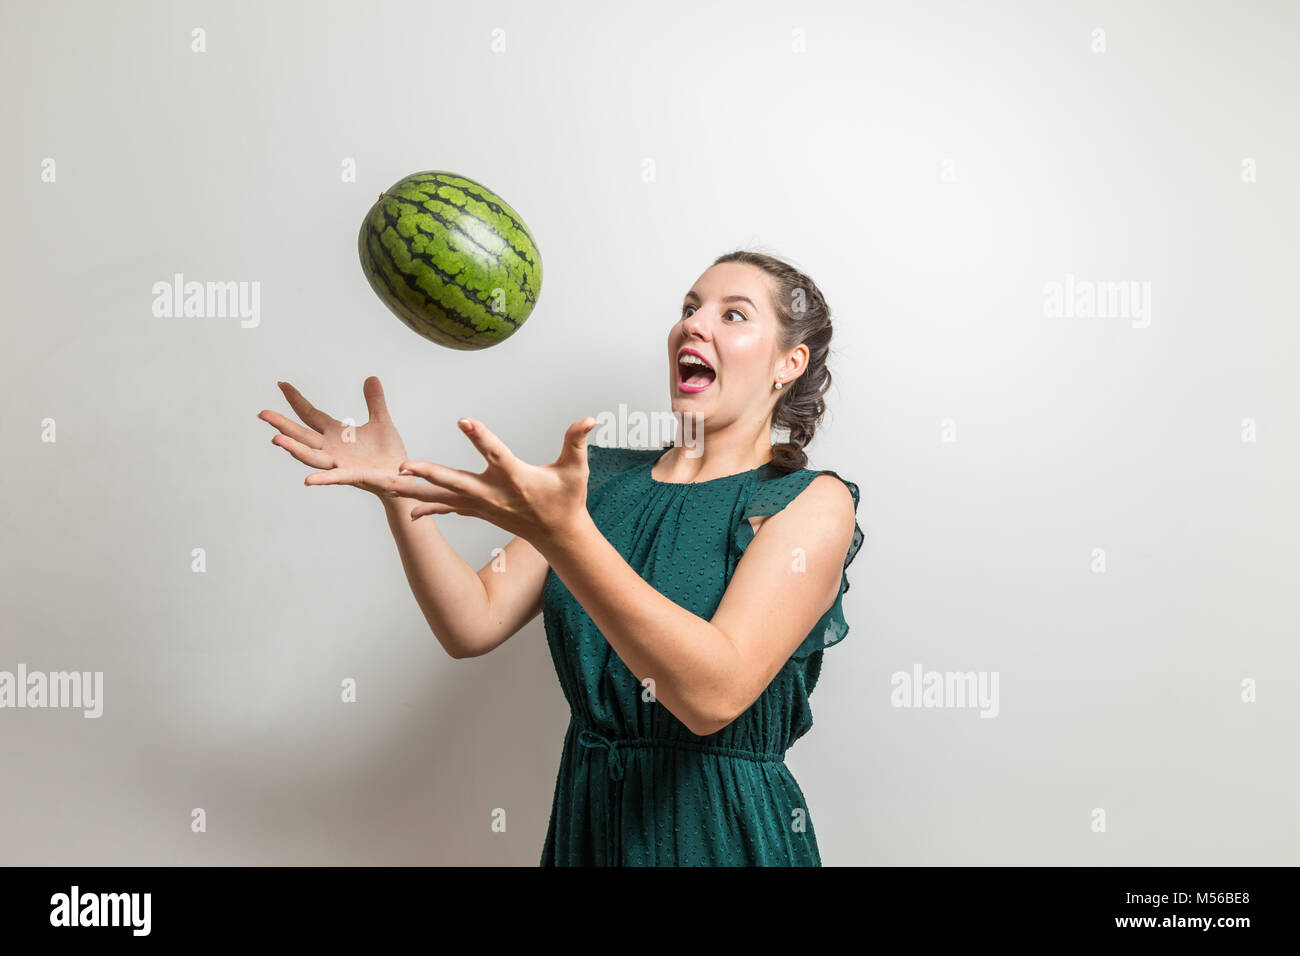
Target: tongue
pixel 700 377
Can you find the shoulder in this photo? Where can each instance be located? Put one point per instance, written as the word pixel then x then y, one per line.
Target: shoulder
pixel 829 493
pixel 613 455
pixel 604 462
pixel 820 502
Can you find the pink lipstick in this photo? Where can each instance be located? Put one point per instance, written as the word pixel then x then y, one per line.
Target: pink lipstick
pixel 694 372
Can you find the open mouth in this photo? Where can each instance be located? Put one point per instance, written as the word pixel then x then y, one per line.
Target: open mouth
pixel 693 373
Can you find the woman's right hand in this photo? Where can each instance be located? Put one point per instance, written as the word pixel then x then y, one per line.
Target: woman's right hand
pixel 367 456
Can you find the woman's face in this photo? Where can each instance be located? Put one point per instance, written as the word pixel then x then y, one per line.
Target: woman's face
pixel 727 318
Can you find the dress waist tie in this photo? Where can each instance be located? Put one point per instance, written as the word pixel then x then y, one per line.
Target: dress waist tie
pixel 614 765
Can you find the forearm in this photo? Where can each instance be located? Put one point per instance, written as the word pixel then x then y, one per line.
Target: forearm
pixel 692 663
pixel 449 592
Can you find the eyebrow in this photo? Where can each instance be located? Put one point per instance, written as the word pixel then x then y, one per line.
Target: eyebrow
pixel 730 298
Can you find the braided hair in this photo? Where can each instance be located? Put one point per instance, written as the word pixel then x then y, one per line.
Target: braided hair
pixel 805 318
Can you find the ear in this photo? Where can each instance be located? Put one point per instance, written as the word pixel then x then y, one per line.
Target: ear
pixel 796 363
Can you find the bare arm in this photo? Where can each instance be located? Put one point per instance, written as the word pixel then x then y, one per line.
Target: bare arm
pixel 470 612
pixel 707 673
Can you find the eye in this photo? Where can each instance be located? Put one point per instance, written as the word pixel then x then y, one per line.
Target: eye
pixel 729 312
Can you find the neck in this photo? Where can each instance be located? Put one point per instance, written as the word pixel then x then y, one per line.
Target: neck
pixel 719 456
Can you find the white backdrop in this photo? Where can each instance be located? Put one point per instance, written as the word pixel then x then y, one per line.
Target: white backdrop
pixel 935 167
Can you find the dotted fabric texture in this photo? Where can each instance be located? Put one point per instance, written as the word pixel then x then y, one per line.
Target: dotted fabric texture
pixel 636 787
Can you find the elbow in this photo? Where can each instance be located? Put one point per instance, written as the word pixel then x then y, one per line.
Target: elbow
pixel 711 720
pixel 463 654
pixel 706 729
pixel 717 708
pixel 456 651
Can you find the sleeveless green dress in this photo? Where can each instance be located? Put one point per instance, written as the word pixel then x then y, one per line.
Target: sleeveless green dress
pixel 636 787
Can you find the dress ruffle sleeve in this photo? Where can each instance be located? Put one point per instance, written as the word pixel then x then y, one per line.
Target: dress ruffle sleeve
pixel 768 498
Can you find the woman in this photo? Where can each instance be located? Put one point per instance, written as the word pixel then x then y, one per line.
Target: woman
pixel 687 669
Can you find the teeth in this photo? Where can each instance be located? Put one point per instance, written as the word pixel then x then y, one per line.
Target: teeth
pixel 689 359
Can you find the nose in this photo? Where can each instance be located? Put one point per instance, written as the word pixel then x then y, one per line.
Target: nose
pixel 695 325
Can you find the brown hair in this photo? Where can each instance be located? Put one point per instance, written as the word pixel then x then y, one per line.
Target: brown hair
pixel 805 318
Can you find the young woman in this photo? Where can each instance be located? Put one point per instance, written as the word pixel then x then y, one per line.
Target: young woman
pixel 687 600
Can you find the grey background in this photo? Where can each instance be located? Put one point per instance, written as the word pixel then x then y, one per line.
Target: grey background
pixel 1118 690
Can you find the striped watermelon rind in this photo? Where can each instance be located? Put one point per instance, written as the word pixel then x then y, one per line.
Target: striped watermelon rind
pixel 451 259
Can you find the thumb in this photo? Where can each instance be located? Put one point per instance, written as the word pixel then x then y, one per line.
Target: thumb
pixel 575 442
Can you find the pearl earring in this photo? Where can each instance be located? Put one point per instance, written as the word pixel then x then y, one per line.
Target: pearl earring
pixel 778 384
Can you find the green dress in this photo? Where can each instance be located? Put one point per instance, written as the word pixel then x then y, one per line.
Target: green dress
pixel 636 787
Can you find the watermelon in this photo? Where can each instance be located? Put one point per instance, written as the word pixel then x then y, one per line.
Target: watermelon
pixel 451 259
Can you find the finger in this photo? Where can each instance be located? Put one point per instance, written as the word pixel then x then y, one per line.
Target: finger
pixel 291 428
pixel 574 451
pixel 405 487
pixel 334 476
pixel 306 455
pixel 452 479
pixel 419 511
pixel 375 401
pixel 491 447
pixel 308 412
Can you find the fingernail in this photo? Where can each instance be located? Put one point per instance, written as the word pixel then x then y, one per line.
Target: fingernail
pixel 464 423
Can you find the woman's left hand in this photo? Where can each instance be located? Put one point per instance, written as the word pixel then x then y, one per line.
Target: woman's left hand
pixel 539 503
